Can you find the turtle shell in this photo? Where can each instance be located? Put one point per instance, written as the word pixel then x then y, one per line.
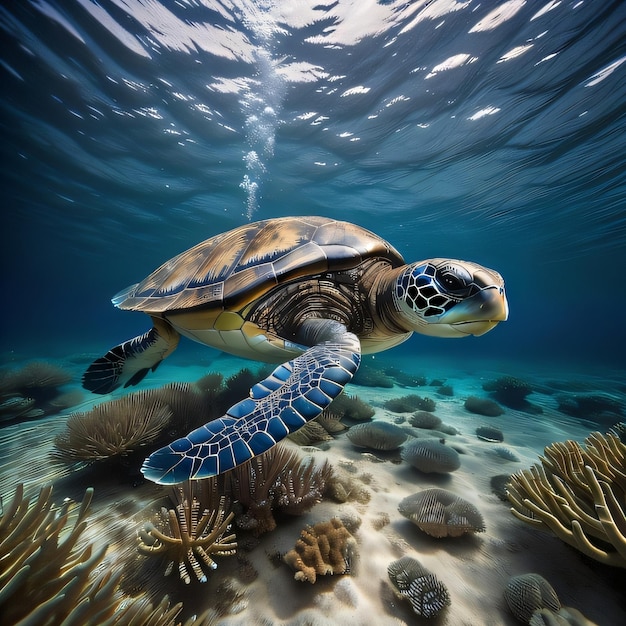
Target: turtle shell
pixel 236 267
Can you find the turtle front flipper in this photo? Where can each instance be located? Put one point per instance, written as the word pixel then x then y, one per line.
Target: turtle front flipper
pixel 293 394
pixel 129 362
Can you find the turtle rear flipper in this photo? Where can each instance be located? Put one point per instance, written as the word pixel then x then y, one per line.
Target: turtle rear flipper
pixel 129 362
pixel 293 394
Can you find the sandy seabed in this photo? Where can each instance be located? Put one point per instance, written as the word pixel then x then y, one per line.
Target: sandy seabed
pixel 474 568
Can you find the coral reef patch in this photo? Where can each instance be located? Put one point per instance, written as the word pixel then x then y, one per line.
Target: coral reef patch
pixel 326 549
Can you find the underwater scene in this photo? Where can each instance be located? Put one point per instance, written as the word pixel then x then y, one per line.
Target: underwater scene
pixel 313 312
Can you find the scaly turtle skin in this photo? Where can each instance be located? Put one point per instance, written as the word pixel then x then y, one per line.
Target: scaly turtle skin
pixel 311 293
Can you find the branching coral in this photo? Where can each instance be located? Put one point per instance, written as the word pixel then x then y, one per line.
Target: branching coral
pixel 579 493
pixel 113 428
pixel 276 480
pixel 46 578
pixel 324 549
pixel 191 534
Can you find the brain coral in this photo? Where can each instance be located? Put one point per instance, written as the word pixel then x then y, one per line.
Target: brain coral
pixel 378 435
pixel 424 419
pixel 431 456
pixel 428 596
pixel 483 406
pixel 489 433
pixel 528 593
pixel 440 513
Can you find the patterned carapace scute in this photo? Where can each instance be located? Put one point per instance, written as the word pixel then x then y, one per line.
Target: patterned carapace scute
pixel 237 266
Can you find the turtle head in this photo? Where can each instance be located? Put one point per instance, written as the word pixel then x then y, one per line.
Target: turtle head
pixel 450 298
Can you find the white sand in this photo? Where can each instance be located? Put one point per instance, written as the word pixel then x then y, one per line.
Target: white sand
pixel 474 568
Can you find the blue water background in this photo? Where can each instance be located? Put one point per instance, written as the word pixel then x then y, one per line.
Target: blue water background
pixel 492 131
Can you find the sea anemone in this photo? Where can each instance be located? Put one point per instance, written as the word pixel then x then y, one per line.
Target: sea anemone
pixel 192 533
pixel 112 429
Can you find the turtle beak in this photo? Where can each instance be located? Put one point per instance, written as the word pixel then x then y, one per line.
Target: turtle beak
pixel 480 313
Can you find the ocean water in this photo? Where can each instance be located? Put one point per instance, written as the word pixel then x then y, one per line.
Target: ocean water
pixel 493 131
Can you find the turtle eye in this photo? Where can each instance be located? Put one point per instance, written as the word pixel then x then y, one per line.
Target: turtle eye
pixel 452 282
pixel 455 280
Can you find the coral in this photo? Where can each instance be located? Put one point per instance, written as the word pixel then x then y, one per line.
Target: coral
pixel 31 391
pixel 276 480
pixel 440 513
pixel 499 485
pixel 505 453
pixel 431 455
pixel 236 387
pixel 310 433
pixel 113 428
pixel 330 421
pixel 579 493
pixel 509 391
pixel 343 488
pixel 377 435
pixel 368 376
pixel 490 433
pixel 190 406
pixel 324 549
pixel 34 376
pixel 381 520
pixel 528 593
pixel 424 419
pixel 483 406
pixel 565 616
pixel 445 390
pixel 411 580
pixel 47 579
pixel 619 430
pixel 405 379
pixel 352 407
pixel 407 404
pixel 603 409
pixel 447 429
pixel 191 533
pixel 211 383
pixel 66 400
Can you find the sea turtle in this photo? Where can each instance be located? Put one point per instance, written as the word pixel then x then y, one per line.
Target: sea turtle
pixel 312 293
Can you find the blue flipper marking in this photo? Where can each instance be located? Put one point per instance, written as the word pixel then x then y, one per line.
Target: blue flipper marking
pixel 310 382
